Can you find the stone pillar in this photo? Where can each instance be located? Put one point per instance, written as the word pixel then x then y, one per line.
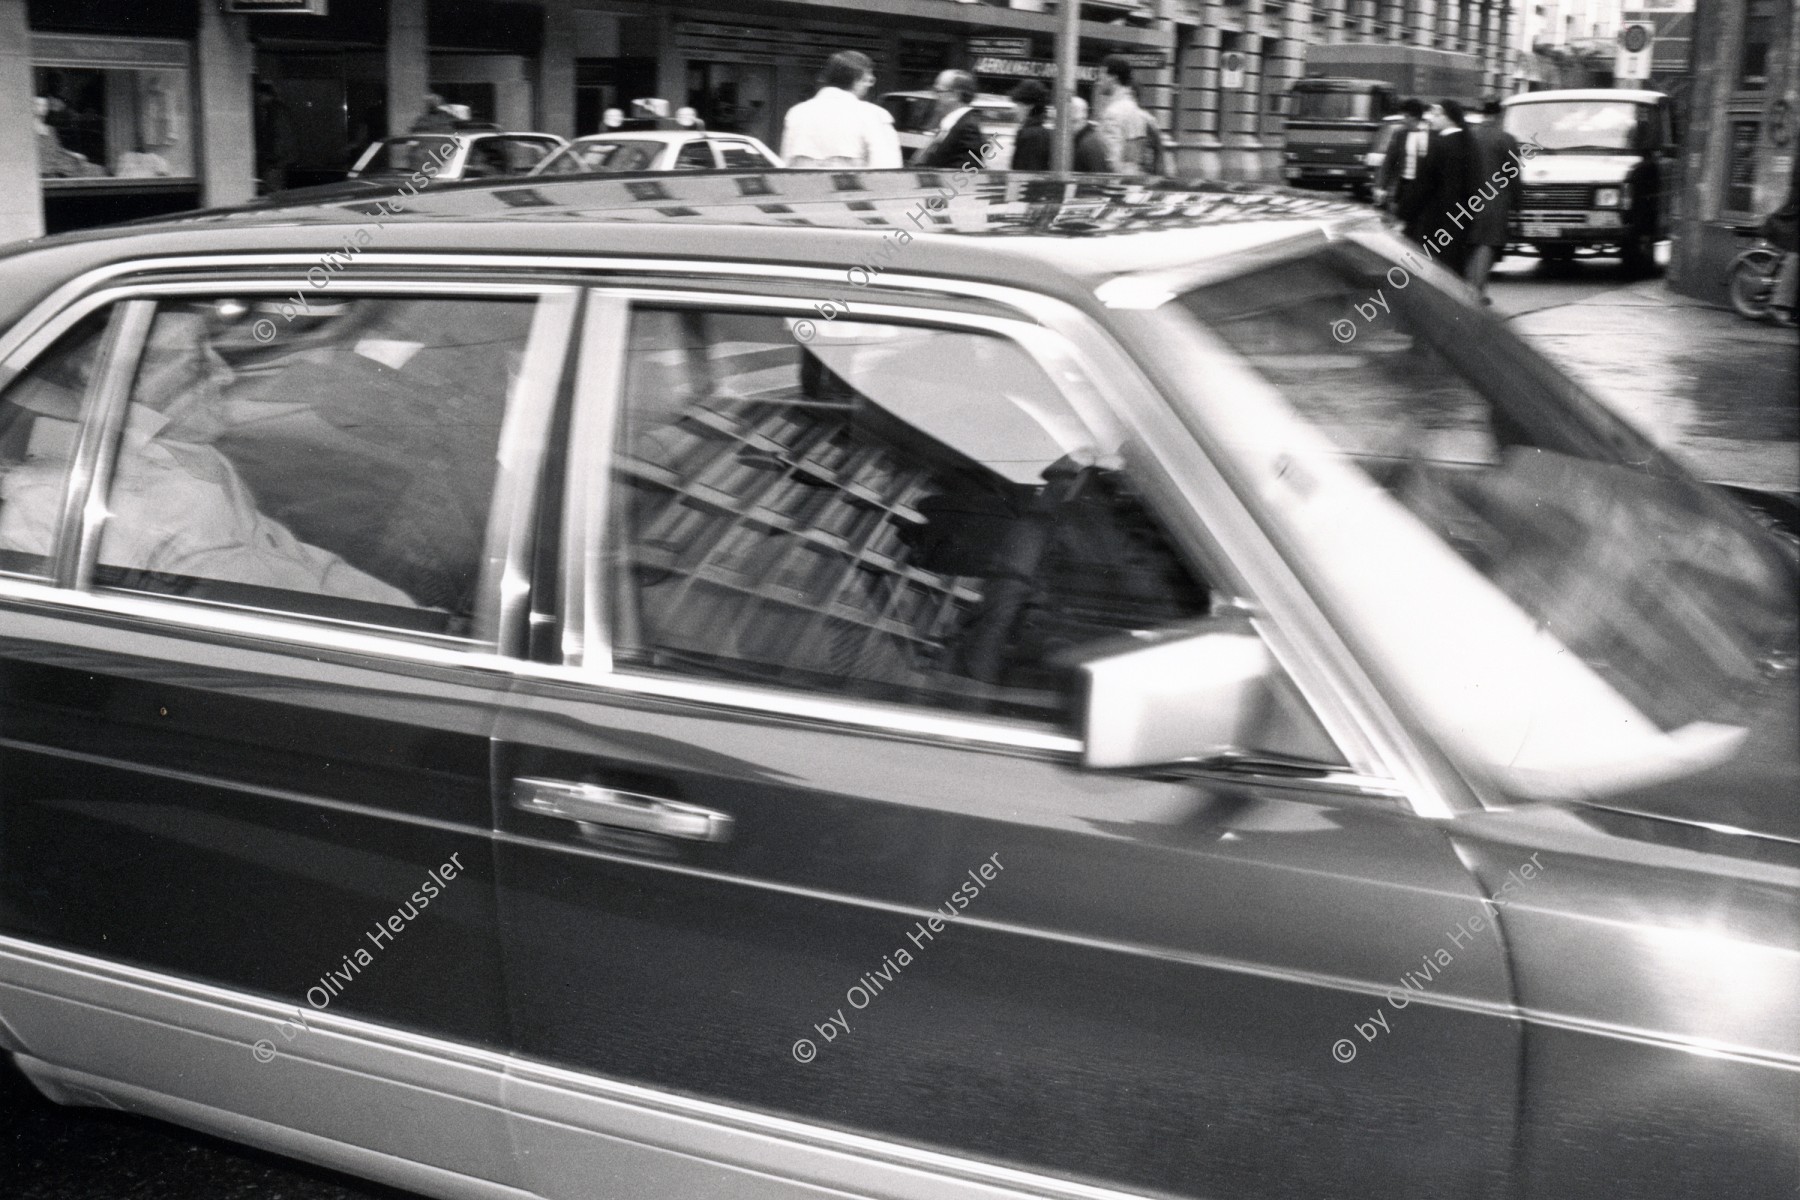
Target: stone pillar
pixel 1199 121
pixel 408 63
pixel 21 195
pixel 1334 20
pixel 1422 28
pixel 224 108
pixel 556 70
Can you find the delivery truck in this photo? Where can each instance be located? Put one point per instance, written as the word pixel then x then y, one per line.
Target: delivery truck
pixel 1338 112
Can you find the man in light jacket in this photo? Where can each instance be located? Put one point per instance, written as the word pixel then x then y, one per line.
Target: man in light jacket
pixel 837 129
pixel 1123 124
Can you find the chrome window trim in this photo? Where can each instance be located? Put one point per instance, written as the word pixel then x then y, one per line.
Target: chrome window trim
pixel 101 416
pixel 503 596
pixel 587 490
pixel 302 639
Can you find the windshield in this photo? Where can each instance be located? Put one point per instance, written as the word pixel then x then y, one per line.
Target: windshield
pixel 1333 106
pixel 634 154
pixel 1568 610
pixel 1595 126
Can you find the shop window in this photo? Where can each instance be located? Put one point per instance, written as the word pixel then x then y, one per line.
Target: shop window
pixel 97 121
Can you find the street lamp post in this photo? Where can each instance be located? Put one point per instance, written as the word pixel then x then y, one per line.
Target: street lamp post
pixel 1068 53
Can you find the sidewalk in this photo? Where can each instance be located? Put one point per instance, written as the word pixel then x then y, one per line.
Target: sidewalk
pixel 1720 392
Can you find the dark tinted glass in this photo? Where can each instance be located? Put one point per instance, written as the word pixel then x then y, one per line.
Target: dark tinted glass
pixel 40 413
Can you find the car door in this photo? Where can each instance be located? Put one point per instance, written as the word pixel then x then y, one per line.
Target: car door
pixel 802 881
pixel 251 645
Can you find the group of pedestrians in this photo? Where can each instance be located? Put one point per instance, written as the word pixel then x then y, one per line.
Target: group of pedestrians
pixel 1453 184
pixel 839 128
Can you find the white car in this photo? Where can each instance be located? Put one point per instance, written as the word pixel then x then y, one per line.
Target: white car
pixel 465 154
pixel 659 150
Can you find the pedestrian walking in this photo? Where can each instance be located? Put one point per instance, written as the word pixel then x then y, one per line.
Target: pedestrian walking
pixel 1089 151
pixel 1439 219
pixel 1031 145
pixel 959 137
pixel 1124 126
pixel 1499 195
pixel 437 117
pixel 837 128
pixel 1397 178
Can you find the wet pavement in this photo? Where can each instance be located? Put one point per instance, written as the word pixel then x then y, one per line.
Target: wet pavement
pixel 1720 392
pixel 52 1153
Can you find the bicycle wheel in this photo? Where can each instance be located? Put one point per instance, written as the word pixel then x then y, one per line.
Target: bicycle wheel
pixel 1753 284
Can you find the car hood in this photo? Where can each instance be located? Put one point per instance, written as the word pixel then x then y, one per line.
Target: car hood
pixel 1580 168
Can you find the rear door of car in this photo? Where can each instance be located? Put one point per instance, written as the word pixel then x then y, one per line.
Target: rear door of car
pixel 252 641
pixel 788 904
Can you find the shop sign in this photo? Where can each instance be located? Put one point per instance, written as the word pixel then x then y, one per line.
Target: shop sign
pixel 1000 47
pixel 1029 68
pixel 314 8
pixel 74 50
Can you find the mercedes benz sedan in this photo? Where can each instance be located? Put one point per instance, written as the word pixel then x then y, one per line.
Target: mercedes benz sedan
pixel 897 685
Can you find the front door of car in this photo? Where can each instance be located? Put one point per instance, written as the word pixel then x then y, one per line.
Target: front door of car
pixel 248 672
pixel 802 879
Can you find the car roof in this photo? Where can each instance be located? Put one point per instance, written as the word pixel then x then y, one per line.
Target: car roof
pixel 659 135
pixel 1634 95
pixel 1064 235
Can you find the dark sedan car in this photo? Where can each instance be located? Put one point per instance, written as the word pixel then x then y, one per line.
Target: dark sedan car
pixel 885 685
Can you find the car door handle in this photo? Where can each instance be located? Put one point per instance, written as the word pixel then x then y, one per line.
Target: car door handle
pixel 590 804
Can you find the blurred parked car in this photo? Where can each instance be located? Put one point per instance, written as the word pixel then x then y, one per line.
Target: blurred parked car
pixel 660 150
pixel 589 703
pixel 478 154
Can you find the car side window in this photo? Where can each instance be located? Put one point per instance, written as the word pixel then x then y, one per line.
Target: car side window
pixel 891 512
pixel 341 469
pixel 40 414
pixel 742 156
pixel 695 156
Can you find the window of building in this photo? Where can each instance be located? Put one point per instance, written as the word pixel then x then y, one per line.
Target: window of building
pixel 1759 41
pixel 889 512
pixel 338 467
pixel 112 108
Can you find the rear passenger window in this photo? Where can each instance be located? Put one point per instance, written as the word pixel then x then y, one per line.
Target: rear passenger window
pixel 342 469
pixel 742 156
pixel 40 414
pixel 695 155
pixel 891 512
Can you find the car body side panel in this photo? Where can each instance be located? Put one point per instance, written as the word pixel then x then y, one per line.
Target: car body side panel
pixel 1146 994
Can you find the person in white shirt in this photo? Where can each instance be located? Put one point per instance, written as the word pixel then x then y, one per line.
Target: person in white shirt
pixel 1123 126
pixel 837 128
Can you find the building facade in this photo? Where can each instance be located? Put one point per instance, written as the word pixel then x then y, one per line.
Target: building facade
pixel 1738 150
pixel 111 109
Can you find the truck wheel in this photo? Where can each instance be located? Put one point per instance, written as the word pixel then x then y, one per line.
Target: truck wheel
pixel 1557 259
pixel 1639 256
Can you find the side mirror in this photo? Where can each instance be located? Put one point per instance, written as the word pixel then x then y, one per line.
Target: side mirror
pixel 1206 693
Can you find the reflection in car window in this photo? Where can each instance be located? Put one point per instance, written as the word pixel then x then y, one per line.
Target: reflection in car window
pixel 343 470
pixel 1627 584
pixel 890 512
pixel 40 413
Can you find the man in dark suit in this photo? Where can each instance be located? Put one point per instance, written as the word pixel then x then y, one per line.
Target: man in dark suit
pixel 1440 215
pixel 1499 195
pixel 959 137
